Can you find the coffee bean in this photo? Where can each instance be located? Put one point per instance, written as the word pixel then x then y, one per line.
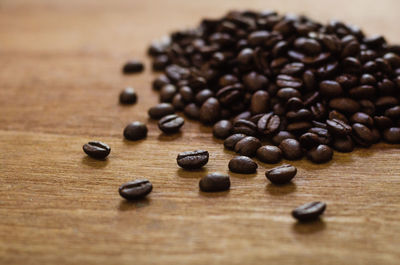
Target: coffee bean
pixel 192 159
pixel 160 81
pixel 343 144
pixel 192 111
pixel 203 95
pixel 320 154
pixel 280 136
pixel 245 127
pixel 170 124
pixel 210 111
pixel 133 66
pixel 362 134
pixel 259 102
pixel 136 189
pixel 329 88
pixel 167 93
pixel 346 105
pixel 160 110
pixel 392 135
pixel 363 118
pixel 268 124
pixel 215 182
pixel 282 174
pixel 231 141
pixel 135 131
pixel 254 81
pixel 222 129
pixel 338 127
pixel 95 149
pixel 291 149
pixel 242 164
pixel 269 154
pixel 247 146
pixel 309 211
pixel 128 96
pixel 309 140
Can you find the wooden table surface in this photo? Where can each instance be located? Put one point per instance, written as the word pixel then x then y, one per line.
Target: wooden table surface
pixel 59 83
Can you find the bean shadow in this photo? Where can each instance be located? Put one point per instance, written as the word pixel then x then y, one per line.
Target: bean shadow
pixel 280 190
pixel 133 143
pixel 309 227
pixel 199 173
pixel 125 205
pixel 214 194
pixel 94 163
pixel 169 137
pixel 242 175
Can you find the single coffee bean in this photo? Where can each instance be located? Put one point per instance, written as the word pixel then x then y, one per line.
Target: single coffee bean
pixel 280 136
pixel 309 140
pixel 259 102
pixel 210 111
pixel 343 144
pixel 160 81
pixel 192 159
pixel 345 105
pixel 160 110
pixel 247 146
pixel 269 154
pixel 363 118
pixel 268 124
pixel 192 111
pixel 170 123
pixel 95 149
pixel 136 189
pixel 231 141
pixel 338 127
pixel 245 127
pixel 309 211
pixel 167 93
pixel 177 102
pixel 133 66
pixel 291 149
pixel 222 129
pixel 282 174
pixel 320 154
pixel 135 131
pixel 128 96
pixel 362 134
pixel 215 182
pixel 392 135
pixel 242 164
pixel 329 88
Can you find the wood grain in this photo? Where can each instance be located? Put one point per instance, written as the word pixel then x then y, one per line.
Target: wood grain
pixel 59 82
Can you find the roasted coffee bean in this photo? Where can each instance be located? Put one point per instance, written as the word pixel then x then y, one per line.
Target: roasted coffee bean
pixel 178 102
pixel 231 141
pixel 222 129
pixel 259 102
pixel 289 81
pixel 215 182
pixel 247 146
pixel 282 135
pixel 282 174
pixel 393 112
pixel 298 127
pixel 245 127
pixel 323 135
pixel 160 81
pixel 160 110
pixel 136 189
pixel 362 134
pixel 345 105
pixel 210 111
pixel 246 115
pixel 291 149
pixel 203 95
pixel 128 96
pixel 192 111
pixel 363 118
pixel 135 131
pixel 269 154
pixel 320 154
pixel 338 127
pixel 330 89
pixel 95 149
pixel 382 122
pixel 254 81
pixel 308 46
pixel 192 159
pixel 133 66
pixel 299 115
pixel 186 93
pixel 170 123
pixel 309 211
pixel 309 140
pixel 160 62
pixel 242 164
pixel 288 92
pixel 343 144
pixel 392 135
pixel 167 93
pixel 268 124
pixel 338 116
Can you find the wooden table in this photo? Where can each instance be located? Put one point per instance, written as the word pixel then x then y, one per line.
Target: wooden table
pixel 59 83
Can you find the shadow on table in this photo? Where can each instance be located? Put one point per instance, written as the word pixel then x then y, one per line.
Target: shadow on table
pixel 280 190
pixel 309 227
pixel 198 173
pixel 94 163
pixel 125 205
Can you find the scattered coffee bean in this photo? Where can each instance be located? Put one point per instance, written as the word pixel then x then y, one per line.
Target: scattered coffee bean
pixel 128 96
pixel 192 159
pixel 231 141
pixel 320 154
pixel 215 182
pixel 135 131
pixel 269 154
pixel 309 211
pixel 136 189
pixel 222 129
pixel 160 110
pixel 392 135
pixel 282 174
pixel 291 149
pixel 133 66
pixel 242 164
pixel 247 146
pixel 95 149
pixel 171 123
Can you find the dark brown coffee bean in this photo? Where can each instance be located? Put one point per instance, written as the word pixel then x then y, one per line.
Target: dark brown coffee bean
pixel 338 127
pixel 308 46
pixel 128 96
pixel 246 115
pixel 282 174
pixel 215 182
pixel 231 141
pixel 320 154
pixel 393 112
pixel 282 135
pixel 247 146
pixel 242 164
pixel 288 92
pixel 382 122
pixel 96 149
pixel 323 135
pixel 330 89
pixel 309 211
pixel 362 134
pixel 268 124
pixel 363 118
pixel 299 115
pixel 245 127
pixel 298 127
pixel 187 93
pixel 309 140
pixel 136 189
pixel 167 93
pixel 269 154
pixel 210 111
pixel 176 73
pixel 133 66
pixel 135 131
pixel 254 81
pixel 227 80
pixel 392 135
pixel 345 105
pixel 338 116
pixel 192 159
pixel 170 123
pixel 259 102
pixel 291 149
pixel 289 81
pixel 160 81
pixel 160 110
pixel 203 95
pixel 192 111
pixel 343 144
pixel 222 129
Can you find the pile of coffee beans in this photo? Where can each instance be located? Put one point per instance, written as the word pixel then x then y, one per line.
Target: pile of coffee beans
pixel 301 86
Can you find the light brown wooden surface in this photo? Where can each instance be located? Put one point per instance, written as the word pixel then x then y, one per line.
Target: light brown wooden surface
pixel 59 84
